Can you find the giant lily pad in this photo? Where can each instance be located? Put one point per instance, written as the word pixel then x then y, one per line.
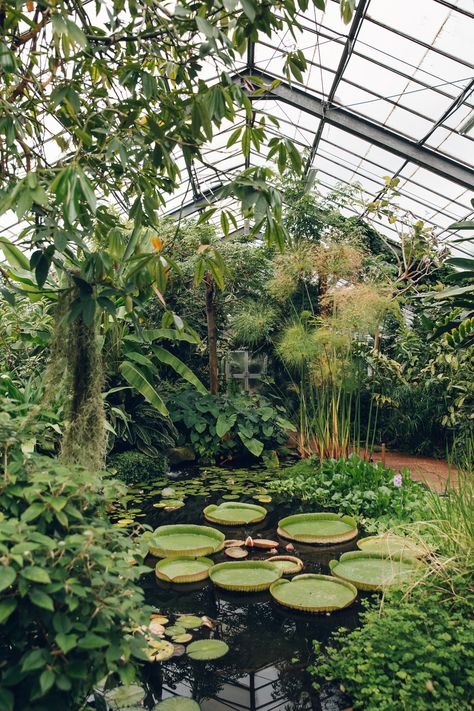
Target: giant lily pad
pixel 318 528
pixel 183 570
pixel 234 513
pixel 177 703
pixel 245 576
pixel 206 649
pixel 372 571
pixel 185 541
pixel 288 564
pixel 389 544
pixel 314 593
pixel 122 697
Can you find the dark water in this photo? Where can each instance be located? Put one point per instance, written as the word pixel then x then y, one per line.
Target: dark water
pixel 270 646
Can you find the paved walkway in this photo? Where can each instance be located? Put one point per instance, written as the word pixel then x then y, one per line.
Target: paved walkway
pixel 434 472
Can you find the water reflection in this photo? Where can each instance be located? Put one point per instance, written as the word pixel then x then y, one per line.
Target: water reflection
pixel 270 646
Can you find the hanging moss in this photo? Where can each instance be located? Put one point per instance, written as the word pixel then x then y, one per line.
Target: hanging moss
pixel 75 362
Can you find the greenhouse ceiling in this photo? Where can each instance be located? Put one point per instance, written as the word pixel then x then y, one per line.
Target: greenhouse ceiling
pixel 390 94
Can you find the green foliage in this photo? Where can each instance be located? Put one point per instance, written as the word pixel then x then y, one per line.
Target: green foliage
pixel 70 606
pixel 357 487
pixel 134 467
pixel 226 425
pixel 414 653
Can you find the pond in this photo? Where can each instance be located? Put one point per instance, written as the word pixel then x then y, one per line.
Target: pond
pixel 270 646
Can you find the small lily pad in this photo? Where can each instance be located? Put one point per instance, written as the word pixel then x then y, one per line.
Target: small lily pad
pixel 183 570
pixel 175 630
pixel 122 697
pixel 160 651
pixel 236 552
pixel 161 619
pixel 169 504
pixel 189 621
pixel 234 513
pixel 390 544
pixel 373 571
pixel 182 638
pixel 185 540
pixel 314 593
pixel 318 528
pixel 263 498
pixel 177 703
pixel 288 564
pixel 206 649
pixel 245 576
pixel 233 543
pixel 264 543
pixel 179 650
pixel 230 497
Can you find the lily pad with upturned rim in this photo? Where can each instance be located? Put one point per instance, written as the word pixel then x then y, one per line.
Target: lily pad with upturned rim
pixel 185 541
pixel 183 570
pixel 207 649
pixel 372 571
pixel 288 564
pixel 177 703
pixel 191 622
pixel 318 528
pixel 245 576
pixel 235 513
pixel 390 544
pixel 314 593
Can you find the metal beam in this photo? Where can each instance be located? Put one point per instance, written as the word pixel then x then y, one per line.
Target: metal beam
pixel 359 15
pixel 367 130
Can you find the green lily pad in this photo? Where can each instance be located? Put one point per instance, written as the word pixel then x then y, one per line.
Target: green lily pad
pixel 190 621
pixel 122 697
pixel 182 638
pixel 169 503
pixel 183 570
pixel 177 703
pixel 185 540
pixel 230 497
pixel 245 575
pixel 263 498
pixel 234 514
pixel 174 630
pixel 318 528
pixel 160 650
pixel 206 649
pixel 314 593
pixel 288 564
pixel 389 544
pixel 373 571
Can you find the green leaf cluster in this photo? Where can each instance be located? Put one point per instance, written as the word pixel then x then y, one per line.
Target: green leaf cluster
pixel 217 426
pixel 357 487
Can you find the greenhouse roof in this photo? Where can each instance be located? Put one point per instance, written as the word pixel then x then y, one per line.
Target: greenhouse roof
pixel 390 94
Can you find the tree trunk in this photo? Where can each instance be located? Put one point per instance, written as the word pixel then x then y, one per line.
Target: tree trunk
pixel 211 334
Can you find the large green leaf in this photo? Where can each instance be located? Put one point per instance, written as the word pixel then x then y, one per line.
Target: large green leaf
pixel 138 380
pixel 15 258
pixel 254 446
pixel 168 358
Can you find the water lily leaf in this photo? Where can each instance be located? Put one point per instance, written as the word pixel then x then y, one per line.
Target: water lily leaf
pixel 288 564
pixel 123 697
pixel 157 628
pixel 373 571
pixel 190 621
pixel 168 492
pixel 206 649
pixel 236 552
pixel 318 528
pixel 263 498
pixel 245 576
pixel 175 630
pixel 230 497
pixel 177 703
pixel 182 638
pixel 233 543
pixel 161 619
pixel 169 504
pixel 183 570
pixel 185 540
pixel 234 514
pixel 313 593
pixel 179 650
pixel 160 650
pixel 264 543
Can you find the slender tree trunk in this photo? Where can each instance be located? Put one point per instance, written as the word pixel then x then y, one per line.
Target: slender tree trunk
pixel 211 334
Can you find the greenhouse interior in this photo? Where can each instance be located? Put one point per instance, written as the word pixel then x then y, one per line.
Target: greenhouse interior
pixel 236 355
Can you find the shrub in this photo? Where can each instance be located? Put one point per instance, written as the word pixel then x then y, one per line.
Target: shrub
pixel 415 653
pixel 70 608
pixel 355 486
pixel 133 467
pixel 216 426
